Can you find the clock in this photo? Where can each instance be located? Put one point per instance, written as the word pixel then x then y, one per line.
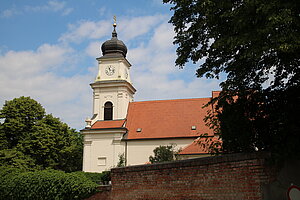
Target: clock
pixel 110 70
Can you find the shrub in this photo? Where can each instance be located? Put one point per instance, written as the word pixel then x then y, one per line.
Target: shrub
pixel 163 154
pixel 98 178
pixel 92 176
pixel 121 162
pixel 44 185
pixel 105 177
pixel 6 185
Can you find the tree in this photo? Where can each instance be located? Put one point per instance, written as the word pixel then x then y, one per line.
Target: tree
pixel 247 40
pixel 121 162
pixel 163 154
pixel 255 44
pixel 30 138
pixel 20 116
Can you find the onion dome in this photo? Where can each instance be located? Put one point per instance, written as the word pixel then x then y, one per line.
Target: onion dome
pixel 114 47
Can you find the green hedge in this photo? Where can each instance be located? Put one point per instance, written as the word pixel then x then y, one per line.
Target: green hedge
pixel 44 185
pixel 99 178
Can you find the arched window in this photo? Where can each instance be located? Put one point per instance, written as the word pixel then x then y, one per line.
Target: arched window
pixel 108 111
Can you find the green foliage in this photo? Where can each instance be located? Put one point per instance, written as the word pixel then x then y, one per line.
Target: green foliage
pixel 32 139
pixel 16 159
pixel 163 154
pixel 99 178
pixel 6 177
pixel 255 44
pixel 121 162
pixel 92 176
pixel 106 177
pixel 245 39
pixel 268 122
pixel 20 116
pixel 46 184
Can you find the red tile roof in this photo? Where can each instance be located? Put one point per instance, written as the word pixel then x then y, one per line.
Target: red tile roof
pixel 108 124
pixel 199 146
pixel 167 118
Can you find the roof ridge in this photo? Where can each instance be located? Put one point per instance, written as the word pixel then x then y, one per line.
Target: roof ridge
pixel 167 100
pixel 110 120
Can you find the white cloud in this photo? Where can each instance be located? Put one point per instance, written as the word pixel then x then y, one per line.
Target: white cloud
pixel 94 49
pixel 153 87
pixel 31 73
pixel 55 5
pixel 127 28
pixel 51 6
pixel 28 63
pixel 133 27
pixel 86 30
pixel 163 37
pixel 154 72
pixel 102 11
pixel 10 12
pixel 67 11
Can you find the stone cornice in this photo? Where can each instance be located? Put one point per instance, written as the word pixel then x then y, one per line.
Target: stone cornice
pixel 112 58
pixel 113 84
pixel 121 130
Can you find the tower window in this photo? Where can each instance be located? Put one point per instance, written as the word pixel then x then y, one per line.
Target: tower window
pixel 108 111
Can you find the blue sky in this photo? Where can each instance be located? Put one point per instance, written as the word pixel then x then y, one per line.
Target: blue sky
pixel 48 51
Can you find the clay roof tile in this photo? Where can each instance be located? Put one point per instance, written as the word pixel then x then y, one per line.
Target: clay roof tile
pixel 167 118
pixel 108 124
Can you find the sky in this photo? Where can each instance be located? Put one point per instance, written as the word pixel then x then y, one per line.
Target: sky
pixel 48 51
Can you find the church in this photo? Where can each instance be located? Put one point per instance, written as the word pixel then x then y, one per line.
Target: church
pixel 121 126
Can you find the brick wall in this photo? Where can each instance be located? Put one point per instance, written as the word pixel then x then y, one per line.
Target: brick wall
pixel 103 194
pixel 236 176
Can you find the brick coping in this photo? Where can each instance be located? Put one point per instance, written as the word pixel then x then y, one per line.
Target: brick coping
pixel 193 162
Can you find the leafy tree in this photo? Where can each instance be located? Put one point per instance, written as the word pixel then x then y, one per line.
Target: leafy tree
pixel 121 162
pixel 20 116
pixel 32 139
pixel 255 44
pixel 163 154
pixel 245 39
pixel 13 158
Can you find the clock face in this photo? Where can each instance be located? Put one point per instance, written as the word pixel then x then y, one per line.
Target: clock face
pixel 110 70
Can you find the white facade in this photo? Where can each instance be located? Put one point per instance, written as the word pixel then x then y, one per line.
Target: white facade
pixel 113 85
pixel 138 151
pixel 102 149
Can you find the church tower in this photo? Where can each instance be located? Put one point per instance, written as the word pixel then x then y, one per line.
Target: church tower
pixel 112 88
pixel 112 92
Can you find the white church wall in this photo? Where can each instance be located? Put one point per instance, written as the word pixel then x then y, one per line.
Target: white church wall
pixel 138 151
pixel 101 151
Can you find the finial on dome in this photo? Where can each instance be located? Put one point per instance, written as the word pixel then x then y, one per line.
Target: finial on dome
pixel 115 21
pixel 114 46
pixel 114 33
